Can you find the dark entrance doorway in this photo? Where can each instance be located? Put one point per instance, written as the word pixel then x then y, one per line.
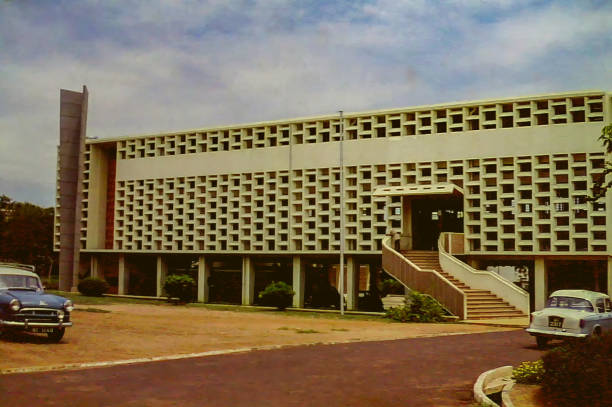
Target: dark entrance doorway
pixel 431 216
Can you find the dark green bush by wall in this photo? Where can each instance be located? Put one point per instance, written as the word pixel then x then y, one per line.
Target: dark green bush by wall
pixel 580 373
pixel 180 286
pixel 92 287
pixel 277 294
pixel 417 308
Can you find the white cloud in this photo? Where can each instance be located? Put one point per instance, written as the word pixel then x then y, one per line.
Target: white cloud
pixel 156 66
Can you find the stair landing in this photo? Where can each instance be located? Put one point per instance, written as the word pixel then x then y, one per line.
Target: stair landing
pixel 481 304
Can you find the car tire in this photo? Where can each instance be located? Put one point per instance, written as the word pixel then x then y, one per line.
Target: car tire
pixel 541 341
pixel 56 335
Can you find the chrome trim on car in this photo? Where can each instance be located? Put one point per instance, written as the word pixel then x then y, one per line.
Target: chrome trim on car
pixel 28 324
pixel 38 309
pixel 550 334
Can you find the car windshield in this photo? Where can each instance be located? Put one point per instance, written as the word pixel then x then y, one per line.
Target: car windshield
pixel 19 281
pixel 570 302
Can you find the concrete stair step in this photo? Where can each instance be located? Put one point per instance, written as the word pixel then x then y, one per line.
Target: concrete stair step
pixel 494 316
pixel 481 304
pixel 494 313
pixel 487 300
pixel 484 301
pixel 499 307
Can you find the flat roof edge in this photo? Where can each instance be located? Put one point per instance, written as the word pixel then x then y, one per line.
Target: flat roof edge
pixel 351 115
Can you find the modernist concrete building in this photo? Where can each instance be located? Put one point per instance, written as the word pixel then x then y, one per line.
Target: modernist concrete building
pixel 506 178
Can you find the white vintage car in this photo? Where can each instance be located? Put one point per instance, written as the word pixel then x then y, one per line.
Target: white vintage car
pixel 571 314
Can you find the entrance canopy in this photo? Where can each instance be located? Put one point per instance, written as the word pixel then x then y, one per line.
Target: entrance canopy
pixel 416 190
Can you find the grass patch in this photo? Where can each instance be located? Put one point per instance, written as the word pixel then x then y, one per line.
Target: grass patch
pixel 80 299
pixel 283 328
pixel 307 331
pixel 95 310
pixel 288 312
pixel 340 329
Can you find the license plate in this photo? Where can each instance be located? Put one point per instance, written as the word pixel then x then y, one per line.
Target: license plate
pixel 555 322
pixel 41 330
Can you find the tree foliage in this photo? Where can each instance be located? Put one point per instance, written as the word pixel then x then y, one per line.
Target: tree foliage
pixel 600 186
pixel 26 234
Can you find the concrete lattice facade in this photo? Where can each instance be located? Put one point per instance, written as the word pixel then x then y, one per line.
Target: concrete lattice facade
pixel 525 166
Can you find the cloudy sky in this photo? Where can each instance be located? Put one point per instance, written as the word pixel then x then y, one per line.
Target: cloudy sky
pixel 159 65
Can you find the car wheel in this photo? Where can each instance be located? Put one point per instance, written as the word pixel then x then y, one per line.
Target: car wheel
pixel 541 341
pixel 597 331
pixel 56 335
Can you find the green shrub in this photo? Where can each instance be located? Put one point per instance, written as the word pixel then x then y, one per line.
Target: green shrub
pixel 578 373
pixel 529 372
pixel 180 286
pixel 277 294
pixel 92 287
pixel 417 308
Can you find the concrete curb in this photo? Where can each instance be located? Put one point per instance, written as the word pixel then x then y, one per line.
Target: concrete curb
pixel 491 381
pixel 506 399
pixel 499 324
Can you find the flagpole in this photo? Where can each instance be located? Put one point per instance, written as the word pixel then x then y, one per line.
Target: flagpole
pixel 341 283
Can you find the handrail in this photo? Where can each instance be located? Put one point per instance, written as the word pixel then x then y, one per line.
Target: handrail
pixel 482 279
pixel 426 281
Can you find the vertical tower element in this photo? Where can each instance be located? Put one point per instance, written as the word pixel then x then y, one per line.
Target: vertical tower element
pixel 73 124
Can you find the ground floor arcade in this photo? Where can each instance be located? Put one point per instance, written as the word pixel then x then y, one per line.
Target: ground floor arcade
pixel 236 278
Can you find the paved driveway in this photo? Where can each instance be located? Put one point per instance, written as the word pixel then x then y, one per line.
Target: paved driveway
pixel 435 371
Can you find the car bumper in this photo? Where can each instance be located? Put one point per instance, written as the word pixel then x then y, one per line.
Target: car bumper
pixel 554 334
pixel 27 324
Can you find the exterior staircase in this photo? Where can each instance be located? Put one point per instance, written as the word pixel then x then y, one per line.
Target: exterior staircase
pixel 481 304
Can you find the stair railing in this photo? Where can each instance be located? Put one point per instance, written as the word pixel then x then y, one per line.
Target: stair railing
pixel 425 281
pixel 479 279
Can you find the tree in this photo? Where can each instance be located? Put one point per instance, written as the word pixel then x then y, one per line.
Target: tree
pixel 26 233
pixel 600 186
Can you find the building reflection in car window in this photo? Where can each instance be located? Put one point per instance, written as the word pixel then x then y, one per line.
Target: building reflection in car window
pixel 570 302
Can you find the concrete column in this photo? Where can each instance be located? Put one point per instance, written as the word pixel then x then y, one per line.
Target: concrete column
pixel 124 276
pixel 540 284
pixel 248 281
pixel 94 267
pixel 373 277
pixel 352 283
pixel 406 240
pixel 610 276
pixel 203 275
pixel 162 272
pixel 299 281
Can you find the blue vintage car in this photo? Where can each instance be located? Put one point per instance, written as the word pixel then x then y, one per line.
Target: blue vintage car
pixel 24 306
